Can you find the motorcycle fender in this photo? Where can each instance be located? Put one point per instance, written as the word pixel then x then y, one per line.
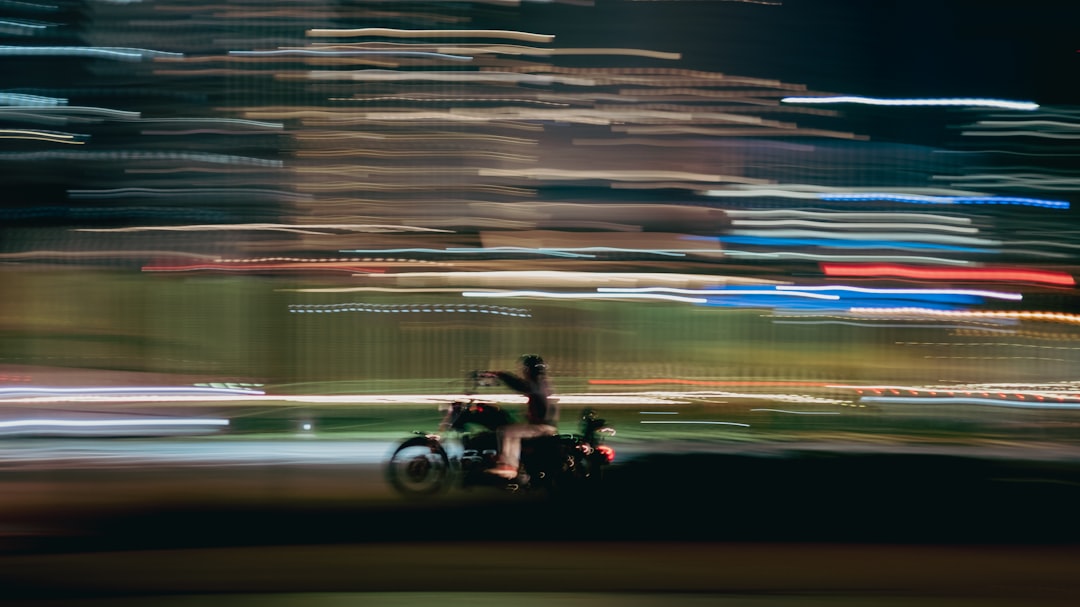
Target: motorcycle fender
pixel 421 441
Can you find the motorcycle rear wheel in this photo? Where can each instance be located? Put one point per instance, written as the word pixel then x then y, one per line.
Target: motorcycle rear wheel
pixel 419 467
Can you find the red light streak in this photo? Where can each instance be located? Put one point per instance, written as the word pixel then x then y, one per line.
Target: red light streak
pixel 922 273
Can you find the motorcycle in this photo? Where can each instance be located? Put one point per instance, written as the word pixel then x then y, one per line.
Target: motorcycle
pixel 466 446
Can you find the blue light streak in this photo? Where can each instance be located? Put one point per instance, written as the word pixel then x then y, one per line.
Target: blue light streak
pixel 119 53
pixel 920 199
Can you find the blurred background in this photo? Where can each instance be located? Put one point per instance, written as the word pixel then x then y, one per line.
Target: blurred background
pixel 836 204
pixel 263 241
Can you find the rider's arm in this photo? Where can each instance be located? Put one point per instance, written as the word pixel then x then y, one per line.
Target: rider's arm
pixel 513 381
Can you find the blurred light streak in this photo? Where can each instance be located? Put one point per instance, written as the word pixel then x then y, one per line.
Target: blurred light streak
pixel 131 155
pixel 187 192
pixel 271 227
pixel 695 422
pixel 553 252
pixel 849 243
pixel 375 75
pixel 428 33
pixel 891 218
pixel 734 290
pixel 143 390
pixel 883 325
pixel 847 258
pixel 1059 317
pixel 348 267
pixel 748 223
pixel 505 49
pixel 26 100
pixel 985 390
pixel 409 308
pixel 617 175
pixel 1003 200
pixel 1044 134
pixel 862 236
pixel 376 290
pixel 799 412
pixel 118 253
pixel 349 53
pixel 582 296
pixel 734 132
pixel 1029 181
pixel 942 102
pixel 109 423
pixel 553 278
pixel 967 400
pixel 981 274
pixel 75 110
pixel 24 28
pixel 705 382
pixel 801 191
pixel 50 136
pixel 481 250
pixel 259 124
pixel 29 6
pixel 867 290
pixel 1000 344
pixel 778 397
pixel 119 53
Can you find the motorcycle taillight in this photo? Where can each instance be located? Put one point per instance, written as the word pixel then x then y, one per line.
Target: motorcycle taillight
pixel 607 452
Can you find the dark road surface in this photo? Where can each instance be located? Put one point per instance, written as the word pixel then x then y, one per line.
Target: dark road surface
pixel 774 528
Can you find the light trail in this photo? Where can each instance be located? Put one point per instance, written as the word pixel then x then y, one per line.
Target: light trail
pixel 929 102
pixel 696 422
pixel 982 273
pixel 798 412
pixel 109 423
pixel 429 33
pixel 583 295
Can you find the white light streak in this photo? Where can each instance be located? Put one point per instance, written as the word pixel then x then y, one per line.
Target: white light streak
pixel 429 33
pixel 698 422
pixel 718 292
pixel 799 412
pixel 967 400
pixel 106 423
pixel 930 102
pixel 582 295
pixel 300 228
pixel 974 292
pixel 148 390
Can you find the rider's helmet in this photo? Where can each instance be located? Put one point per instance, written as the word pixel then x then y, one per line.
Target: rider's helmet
pixel 533 363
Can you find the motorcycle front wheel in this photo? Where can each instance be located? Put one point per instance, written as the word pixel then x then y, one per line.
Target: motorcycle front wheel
pixel 419 466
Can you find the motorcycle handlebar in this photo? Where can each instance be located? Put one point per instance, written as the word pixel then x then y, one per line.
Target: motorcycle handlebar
pixel 477 379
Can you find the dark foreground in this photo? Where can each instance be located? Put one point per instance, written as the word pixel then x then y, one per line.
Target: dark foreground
pixel 934 527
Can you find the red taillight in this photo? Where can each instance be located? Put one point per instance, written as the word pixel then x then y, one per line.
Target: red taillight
pixel 607 452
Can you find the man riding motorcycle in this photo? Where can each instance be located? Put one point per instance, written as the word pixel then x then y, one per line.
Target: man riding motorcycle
pixel 542 413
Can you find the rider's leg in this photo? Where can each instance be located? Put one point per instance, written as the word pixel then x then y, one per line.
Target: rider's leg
pixel 510 438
